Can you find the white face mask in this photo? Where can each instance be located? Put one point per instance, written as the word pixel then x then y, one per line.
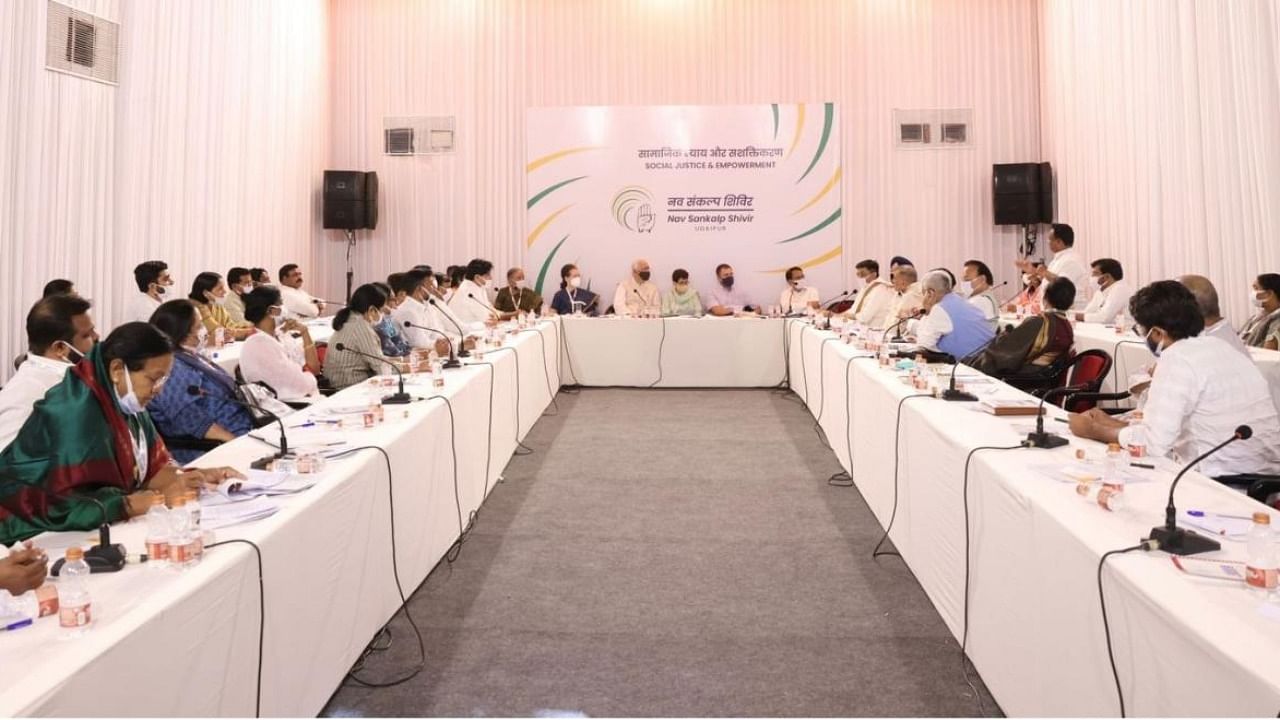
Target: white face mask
pixel 75 356
pixel 519 284
pixel 575 282
pixel 202 337
pixel 217 300
pixel 1026 279
pixel 1254 299
pixel 965 288
pixel 129 403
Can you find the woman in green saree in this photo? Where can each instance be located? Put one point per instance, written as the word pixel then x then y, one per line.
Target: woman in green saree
pixel 89 446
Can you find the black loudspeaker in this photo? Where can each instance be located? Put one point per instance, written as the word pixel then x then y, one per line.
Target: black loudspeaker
pixel 350 200
pixel 1022 193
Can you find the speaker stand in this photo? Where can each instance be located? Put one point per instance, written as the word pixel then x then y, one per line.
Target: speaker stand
pixel 351 243
pixel 1030 234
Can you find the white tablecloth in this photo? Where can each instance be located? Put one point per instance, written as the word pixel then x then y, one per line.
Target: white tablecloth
pixel 186 644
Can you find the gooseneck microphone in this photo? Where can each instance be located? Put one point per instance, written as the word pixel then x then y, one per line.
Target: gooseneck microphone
pixel 397 398
pixel 102 558
pixel 263 462
pixel 898 324
pixel 951 393
pixel 476 300
pixel 847 294
pixel 464 352
pixel 1181 541
pixel 1048 440
pixel 452 362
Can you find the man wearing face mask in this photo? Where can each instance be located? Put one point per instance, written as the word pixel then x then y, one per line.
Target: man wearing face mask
pixel 515 297
pixel 952 325
pixel 977 285
pixel 1113 292
pixel 415 310
pixel 470 301
pixel 637 294
pixel 724 299
pixel 91 445
pixel 1066 263
pixel 1263 329
pixel 240 283
pixel 1028 301
pixel 59 333
pixel 876 296
pixel 153 280
pixel 1202 390
pixel 797 296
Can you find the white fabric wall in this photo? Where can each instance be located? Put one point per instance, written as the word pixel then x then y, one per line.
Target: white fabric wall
pixel 207 154
pixel 487 61
pixel 1162 121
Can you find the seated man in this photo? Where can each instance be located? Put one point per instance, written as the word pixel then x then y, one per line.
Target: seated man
pixel 1036 343
pixel 637 294
pixel 723 299
pixel 952 325
pixel 1262 329
pixel 796 297
pixel 297 302
pixel 470 300
pixel 415 310
pixel 515 297
pixel 259 276
pixel 59 287
pixel 1201 392
pixel 980 290
pixel 1104 306
pixel 240 284
pixel 153 280
pixel 908 300
pixel 59 333
pixel 872 306
pixel 1214 324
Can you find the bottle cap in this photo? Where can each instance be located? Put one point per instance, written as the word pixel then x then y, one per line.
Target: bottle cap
pixel 77 553
pixel 1113 447
pixel 1262 518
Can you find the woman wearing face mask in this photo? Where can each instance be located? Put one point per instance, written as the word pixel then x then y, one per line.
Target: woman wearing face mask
pixel 572 297
pixel 209 293
pixel 1030 299
pixel 1263 329
pixel 90 447
pixel 213 414
pixel 281 354
pixel 393 342
pixel 354 328
pixel 681 299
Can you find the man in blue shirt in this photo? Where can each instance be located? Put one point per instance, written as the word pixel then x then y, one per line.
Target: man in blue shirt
pixel 953 325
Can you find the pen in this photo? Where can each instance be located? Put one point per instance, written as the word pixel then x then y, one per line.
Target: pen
pixel 15 625
pixel 1142 465
pixel 1061 420
pixel 1201 513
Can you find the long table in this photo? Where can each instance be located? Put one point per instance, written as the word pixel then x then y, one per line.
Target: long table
pixel 185 644
pixel 1182 646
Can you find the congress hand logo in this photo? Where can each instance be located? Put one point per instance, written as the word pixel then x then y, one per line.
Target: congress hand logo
pixel 633 209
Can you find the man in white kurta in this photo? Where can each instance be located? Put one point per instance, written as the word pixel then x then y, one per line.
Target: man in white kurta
pixel 1112 298
pixel 637 294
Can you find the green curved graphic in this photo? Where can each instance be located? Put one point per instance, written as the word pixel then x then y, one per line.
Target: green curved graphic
pixel 834 216
pixel 534 200
pixel 775 120
pixel 828 114
pixel 542 273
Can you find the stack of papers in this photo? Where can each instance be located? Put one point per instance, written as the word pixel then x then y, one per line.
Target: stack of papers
pixel 213 517
pixel 1084 471
pixel 265 483
pixel 1010 406
pixel 1231 527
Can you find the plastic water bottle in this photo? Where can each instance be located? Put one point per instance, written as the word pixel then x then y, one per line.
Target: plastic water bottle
pixel 437 374
pixel 1137 438
pixel 157 532
pixel 74 610
pixel 194 511
pixel 1260 571
pixel 1113 467
pixel 1104 495
pixel 181 539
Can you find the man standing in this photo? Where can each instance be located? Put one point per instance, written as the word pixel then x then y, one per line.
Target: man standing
pixel 980 290
pixel 877 295
pixel 1214 324
pixel 515 297
pixel 1114 293
pixel 297 302
pixel 153 280
pixel 59 333
pixel 1066 263
pixel 240 284
pixel 723 300
pixel 953 325
pixel 637 294
pixel 797 297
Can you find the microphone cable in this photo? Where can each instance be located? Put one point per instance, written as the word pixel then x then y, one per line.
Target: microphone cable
pixel 842 478
pixel 262 613
pixel 1116 365
pixel 784 385
pixel 822 392
pixel 546 369
pixel 964 636
pixel 576 387
pixel 661 342
pixel 519 445
pixel 1145 546
pixel 897 431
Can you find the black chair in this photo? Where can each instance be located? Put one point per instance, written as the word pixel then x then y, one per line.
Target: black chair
pixel 1043 379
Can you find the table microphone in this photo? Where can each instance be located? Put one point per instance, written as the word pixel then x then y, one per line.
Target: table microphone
pixel 263 462
pixel 464 352
pixel 397 398
pixel 643 305
pixel 102 558
pixel 492 313
pixel 951 393
pixel 1181 541
pixel 898 324
pixel 452 362
pixel 842 296
pixel 1048 440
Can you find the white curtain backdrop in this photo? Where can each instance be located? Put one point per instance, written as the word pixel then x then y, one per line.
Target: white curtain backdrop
pixel 207 154
pixel 1162 120
pixel 485 62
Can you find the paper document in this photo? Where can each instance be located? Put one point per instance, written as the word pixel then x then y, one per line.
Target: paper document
pixel 213 517
pixel 1215 525
pixel 264 482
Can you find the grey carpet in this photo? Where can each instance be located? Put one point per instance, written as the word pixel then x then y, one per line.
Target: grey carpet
pixel 672 553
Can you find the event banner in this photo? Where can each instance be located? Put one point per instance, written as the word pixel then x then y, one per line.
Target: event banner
pixel 754 186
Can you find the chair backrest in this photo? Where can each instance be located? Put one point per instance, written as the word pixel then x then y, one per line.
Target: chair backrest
pixel 1087 370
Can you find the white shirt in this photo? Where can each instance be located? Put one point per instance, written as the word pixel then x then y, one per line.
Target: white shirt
pixel 904 304
pixel 423 315
pixel 1104 306
pixel 1200 392
pixel 793 301
pixel 987 303
pixel 627 302
pixel 263 358
pixel 930 328
pixel 19 395
pixel 449 320
pixel 873 303
pixel 1069 265
pixel 298 302
pixel 470 303
pixel 140 308
pixel 1222 329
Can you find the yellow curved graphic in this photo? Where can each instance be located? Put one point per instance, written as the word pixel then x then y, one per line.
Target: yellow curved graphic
pixel 547 159
pixel 825 189
pixel 795 139
pixel 533 236
pixel 812 262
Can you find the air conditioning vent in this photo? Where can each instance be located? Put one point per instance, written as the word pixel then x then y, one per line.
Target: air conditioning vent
pixel 932 128
pixel 399 141
pixel 418 135
pixel 913 133
pixel 81 44
pixel 955 133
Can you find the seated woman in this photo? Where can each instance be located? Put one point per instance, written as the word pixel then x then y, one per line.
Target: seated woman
pixel 393 341
pixel 208 292
pixel 213 414
pixel 1028 301
pixel 353 327
pixel 571 297
pixel 681 299
pixel 91 447
pixel 281 353
pixel 1024 353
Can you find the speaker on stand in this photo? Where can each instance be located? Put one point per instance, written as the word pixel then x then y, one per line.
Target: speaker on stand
pixel 350 204
pixel 1022 194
